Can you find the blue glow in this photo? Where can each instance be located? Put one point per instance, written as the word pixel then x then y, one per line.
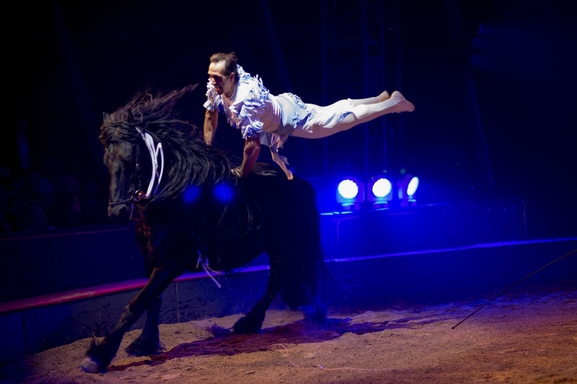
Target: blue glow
pixel 223 193
pixel 381 188
pixel 348 189
pixel 412 187
pixel 191 193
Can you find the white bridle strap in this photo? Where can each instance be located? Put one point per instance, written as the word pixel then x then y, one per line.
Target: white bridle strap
pixel 157 159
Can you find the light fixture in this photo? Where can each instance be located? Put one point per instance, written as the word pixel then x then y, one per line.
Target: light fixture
pixel 406 188
pixel 380 191
pixel 191 194
pixel 223 192
pixel 350 193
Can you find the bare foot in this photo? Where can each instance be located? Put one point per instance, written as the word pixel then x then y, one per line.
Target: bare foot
pixel 401 104
pixel 382 97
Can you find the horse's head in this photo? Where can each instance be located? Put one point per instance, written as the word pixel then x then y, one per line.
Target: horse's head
pixel 128 168
pixel 120 159
pixel 135 139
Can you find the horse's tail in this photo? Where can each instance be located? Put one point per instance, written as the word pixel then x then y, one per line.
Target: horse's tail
pixel 306 279
pixel 305 273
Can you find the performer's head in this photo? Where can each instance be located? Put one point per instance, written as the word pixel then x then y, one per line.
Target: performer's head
pixel 223 73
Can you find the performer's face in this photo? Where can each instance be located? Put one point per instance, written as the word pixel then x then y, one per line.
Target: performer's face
pixel 223 84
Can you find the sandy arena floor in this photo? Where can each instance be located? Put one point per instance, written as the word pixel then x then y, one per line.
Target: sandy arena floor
pixel 521 338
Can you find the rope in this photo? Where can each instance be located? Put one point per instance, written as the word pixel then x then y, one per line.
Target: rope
pixel 507 289
pixel 207 269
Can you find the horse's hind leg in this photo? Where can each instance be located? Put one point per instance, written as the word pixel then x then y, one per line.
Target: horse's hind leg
pixel 102 351
pixel 252 321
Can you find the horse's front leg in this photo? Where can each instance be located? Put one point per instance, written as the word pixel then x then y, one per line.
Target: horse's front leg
pixel 102 351
pixel 148 342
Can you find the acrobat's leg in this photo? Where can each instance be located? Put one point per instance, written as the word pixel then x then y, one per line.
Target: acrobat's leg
pixel 348 103
pixel 361 113
pixel 370 100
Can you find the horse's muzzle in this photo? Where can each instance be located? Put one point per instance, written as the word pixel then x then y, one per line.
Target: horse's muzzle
pixel 120 212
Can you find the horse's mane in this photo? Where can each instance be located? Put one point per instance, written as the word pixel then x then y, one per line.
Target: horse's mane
pixel 189 160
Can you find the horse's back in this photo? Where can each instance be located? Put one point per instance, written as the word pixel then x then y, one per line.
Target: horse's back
pixel 294 200
pixel 268 212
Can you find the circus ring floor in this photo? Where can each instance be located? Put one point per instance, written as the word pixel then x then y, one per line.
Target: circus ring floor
pixel 392 318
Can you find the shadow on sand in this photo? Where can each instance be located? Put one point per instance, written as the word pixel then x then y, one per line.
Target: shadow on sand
pixel 224 343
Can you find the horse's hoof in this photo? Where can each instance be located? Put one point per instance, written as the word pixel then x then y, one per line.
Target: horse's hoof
pixel 144 347
pixel 90 366
pixel 244 326
pixel 316 314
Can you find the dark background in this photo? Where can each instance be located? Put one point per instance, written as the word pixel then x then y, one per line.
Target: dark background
pixel 67 62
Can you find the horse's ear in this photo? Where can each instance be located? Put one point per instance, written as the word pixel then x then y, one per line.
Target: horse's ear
pixel 105 117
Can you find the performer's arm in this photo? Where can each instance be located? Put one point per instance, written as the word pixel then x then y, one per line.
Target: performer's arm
pixel 250 155
pixel 210 123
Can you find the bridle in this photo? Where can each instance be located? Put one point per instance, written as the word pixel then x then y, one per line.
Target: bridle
pixel 157 159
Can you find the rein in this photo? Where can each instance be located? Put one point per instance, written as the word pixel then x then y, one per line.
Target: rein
pixel 157 159
pixel 156 175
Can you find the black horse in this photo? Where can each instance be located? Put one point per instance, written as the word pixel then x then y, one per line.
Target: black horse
pixel 190 210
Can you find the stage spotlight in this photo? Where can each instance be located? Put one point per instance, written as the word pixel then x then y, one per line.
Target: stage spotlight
pixel 407 187
pixel 348 189
pixel 350 193
pixel 380 191
pixel 191 193
pixel 223 192
pixel 412 187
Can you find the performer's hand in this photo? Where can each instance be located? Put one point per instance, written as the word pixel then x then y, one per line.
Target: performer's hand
pixel 236 172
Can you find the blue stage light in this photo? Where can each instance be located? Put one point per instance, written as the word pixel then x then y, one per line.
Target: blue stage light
pixel 348 189
pixel 382 188
pixel 407 188
pixel 223 192
pixel 350 193
pixel 191 193
pixel 412 187
pixel 380 191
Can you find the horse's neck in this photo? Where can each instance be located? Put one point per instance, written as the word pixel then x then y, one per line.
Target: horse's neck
pixel 163 210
